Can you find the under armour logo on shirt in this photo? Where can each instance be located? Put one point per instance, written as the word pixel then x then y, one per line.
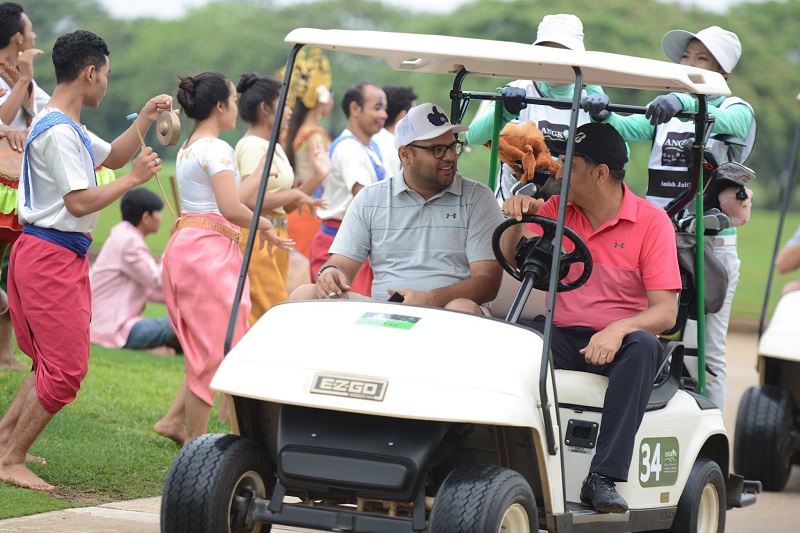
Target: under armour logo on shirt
pixel 437 118
pixel 450 215
pixel 619 244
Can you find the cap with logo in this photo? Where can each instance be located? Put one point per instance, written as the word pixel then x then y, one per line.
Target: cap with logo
pixel 564 29
pixel 724 45
pixel 426 121
pixel 601 143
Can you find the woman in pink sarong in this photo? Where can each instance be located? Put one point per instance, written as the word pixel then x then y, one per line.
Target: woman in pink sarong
pixel 202 260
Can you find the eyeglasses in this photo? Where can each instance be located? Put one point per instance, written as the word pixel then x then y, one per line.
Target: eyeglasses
pixel 439 150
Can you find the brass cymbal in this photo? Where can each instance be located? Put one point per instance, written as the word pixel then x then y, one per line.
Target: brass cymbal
pixel 168 128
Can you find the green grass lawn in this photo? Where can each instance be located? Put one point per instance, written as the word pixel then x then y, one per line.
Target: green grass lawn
pixel 102 447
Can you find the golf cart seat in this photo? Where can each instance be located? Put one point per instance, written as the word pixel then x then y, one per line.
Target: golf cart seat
pixel 582 389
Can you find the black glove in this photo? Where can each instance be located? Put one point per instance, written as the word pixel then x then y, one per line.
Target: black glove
pixel 663 109
pixel 595 105
pixel 512 99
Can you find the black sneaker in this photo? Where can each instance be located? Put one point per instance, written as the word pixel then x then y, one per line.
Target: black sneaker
pixel 601 493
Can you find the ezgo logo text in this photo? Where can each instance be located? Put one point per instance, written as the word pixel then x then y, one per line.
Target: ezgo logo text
pixel 349 386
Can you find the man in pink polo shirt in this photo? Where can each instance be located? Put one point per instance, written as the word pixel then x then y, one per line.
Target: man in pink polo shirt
pixel 609 325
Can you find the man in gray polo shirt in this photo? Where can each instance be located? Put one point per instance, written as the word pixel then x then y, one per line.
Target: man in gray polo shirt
pixel 426 231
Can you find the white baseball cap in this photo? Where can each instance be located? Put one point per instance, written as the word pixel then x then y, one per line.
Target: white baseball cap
pixel 426 121
pixel 564 29
pixel 724 45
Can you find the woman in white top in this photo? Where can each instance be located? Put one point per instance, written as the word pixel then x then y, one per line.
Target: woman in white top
pixel 202 260
pixel 258 102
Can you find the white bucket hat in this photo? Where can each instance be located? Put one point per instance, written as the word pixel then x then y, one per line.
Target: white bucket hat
pixel 426 121
pixel 564 29
pixel 724 45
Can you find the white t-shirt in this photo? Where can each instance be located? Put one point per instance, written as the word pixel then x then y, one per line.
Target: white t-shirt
pixel 351 163
pixel 40 99
pixel 196 165
pixel 391 161
pixel 59 164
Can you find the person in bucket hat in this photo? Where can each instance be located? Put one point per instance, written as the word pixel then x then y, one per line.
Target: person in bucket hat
pixel 632 296
pixel 732 139
pixel 555 31
pixel 447 223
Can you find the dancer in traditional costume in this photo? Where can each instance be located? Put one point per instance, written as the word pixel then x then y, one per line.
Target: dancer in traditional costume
pixel 355 163
pixel 307 142
pixel 258 101
pixel 59 200
pixel 202 260
pixel 21 99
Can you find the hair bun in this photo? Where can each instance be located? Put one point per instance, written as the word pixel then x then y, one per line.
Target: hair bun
pixel 187 84
pixel 246 81
pixel 186 93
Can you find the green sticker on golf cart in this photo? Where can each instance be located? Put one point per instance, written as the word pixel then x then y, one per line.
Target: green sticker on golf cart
pixel 388 321
pixel 658 462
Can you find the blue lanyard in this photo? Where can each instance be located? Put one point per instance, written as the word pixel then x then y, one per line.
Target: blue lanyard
pixel 380 172
pixel 51 119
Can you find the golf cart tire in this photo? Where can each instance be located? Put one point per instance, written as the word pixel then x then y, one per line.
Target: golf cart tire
pixel 762 446
pixel 702 505
pixel 212 476
pixel 482 499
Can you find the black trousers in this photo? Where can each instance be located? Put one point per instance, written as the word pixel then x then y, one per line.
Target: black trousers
pixel 630 381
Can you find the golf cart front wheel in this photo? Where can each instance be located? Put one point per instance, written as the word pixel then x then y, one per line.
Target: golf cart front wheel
pixel 212 483
pixel 484 499
pixel 763 444
pixel 702 506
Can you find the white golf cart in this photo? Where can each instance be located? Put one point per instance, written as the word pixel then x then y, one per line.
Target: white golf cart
pixel 399 418
pixel 767 441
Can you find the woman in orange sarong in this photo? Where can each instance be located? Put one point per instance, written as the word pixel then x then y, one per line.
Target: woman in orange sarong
pixel 258 103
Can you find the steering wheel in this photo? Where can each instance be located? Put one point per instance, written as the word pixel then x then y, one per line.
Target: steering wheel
pixel 535 254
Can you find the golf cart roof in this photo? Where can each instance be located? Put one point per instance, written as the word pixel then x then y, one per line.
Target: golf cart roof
pixel 447 55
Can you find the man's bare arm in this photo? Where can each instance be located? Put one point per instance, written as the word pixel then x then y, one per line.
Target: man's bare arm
pixel 336 275
pixel 480 287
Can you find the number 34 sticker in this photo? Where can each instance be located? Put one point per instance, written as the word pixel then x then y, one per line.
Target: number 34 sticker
pixel 658 462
